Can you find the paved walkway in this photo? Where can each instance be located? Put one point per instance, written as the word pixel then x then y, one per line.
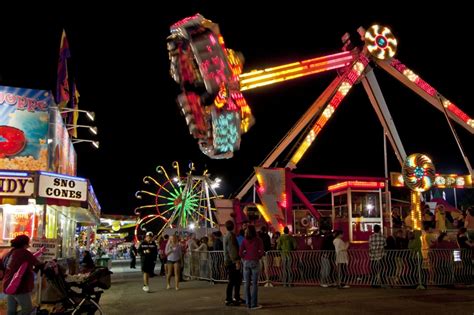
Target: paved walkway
pixel 199 297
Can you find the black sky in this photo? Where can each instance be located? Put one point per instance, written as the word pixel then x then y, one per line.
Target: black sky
pixel 120 63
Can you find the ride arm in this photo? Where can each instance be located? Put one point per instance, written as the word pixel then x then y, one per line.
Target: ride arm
pixel 405 75
pixel 322 107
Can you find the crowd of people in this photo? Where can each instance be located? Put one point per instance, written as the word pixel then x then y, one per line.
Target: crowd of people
pixel 244 257
pixel 245 252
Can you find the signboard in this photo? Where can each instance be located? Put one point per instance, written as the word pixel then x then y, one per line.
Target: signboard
pixel 50 248
pixel 18 220
pixel 24 128
pixel 62 187
pixel 16 186
pixel 441 180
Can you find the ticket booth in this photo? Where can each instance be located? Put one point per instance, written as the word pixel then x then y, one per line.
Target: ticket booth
pixel 356 208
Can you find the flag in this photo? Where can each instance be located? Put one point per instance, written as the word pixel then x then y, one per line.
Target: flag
pixel 62 86
pixel 75 106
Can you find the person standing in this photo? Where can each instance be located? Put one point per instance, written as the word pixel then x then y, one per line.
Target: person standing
pixel 232 264
pixel 440 217
pixel 133 256
pixel 251 251
pixel 161 253
pixel 327 258
pixel 10 264
pixel 267 246
pixel 469 223
pixel 173 252
pixel 286 244
pixel 377 245
pixel 148 252
pixel 342 258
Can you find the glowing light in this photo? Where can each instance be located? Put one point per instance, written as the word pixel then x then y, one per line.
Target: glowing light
pixel 283 202
pixel 353 75
pixel 192 226
pixel 257 78
pixel 344 88
pixel 226 132
pixel 263 212
pixel 357 184
pixel 418 172
pixel 380 42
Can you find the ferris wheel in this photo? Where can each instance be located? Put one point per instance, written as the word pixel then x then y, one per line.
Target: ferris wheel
pixel 181 201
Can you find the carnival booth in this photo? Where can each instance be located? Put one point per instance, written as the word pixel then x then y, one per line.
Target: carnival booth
pixel 357 207
pixel 40 195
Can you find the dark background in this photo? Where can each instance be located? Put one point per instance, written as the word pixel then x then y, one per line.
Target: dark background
pixel 120 63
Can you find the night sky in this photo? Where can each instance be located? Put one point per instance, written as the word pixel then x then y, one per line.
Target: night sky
pixel 120 63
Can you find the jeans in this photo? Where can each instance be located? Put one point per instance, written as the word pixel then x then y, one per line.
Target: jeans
pixel 375 268
pixel 24 300
pixel 264 266
pixel 235 279
pixel 325 270
pixel 286 266
pixel 251 272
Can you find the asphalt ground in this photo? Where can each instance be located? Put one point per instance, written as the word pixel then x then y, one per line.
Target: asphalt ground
pixel 200 297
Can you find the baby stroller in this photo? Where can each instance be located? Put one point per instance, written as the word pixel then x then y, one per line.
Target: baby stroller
pixel 76 297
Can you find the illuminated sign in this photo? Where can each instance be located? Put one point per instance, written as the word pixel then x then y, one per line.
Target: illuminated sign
pixel 356 184
pixel 18 221
pixel 50 248
pixel 62 187
pixel 441 180
pixel 16 186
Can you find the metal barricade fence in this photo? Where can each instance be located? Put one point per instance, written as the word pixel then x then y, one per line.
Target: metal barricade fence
pixel 396 268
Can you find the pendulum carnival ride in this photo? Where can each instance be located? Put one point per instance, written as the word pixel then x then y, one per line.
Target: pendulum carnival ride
pixel 177 202
pixel 201 65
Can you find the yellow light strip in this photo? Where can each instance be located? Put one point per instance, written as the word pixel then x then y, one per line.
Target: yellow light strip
pixel 328 111
pixel 262 211
pixel 415 210
pixel 268 76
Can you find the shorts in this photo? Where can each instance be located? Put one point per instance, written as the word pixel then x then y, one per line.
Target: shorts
pixel 172 262
pixel 148 266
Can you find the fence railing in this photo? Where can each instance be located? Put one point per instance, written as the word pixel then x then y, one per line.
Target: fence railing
pixel 395 268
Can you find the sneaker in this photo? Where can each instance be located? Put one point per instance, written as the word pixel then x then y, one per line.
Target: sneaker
pixel 177 289
pixel 324 285
pixel 269 285
pixel 256 307
pixel 239 301
pixel 146 288
pixel 168 287
pixel 229 303
pixel 346 287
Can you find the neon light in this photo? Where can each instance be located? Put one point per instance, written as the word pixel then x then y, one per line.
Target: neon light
pixel 14 174
pixel 356 184
pixel 293 70
pixel 418 172
pixel 403 69
pixel 380 42
pixel 415 213
pixel 226 133
pixel 344 88
pixel 262 211
pixel 283 202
